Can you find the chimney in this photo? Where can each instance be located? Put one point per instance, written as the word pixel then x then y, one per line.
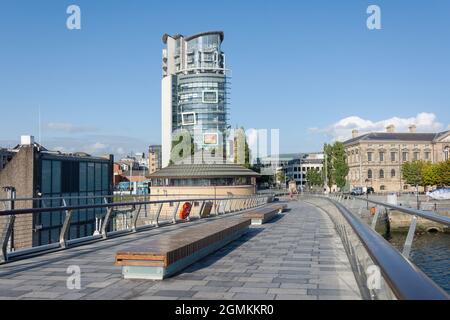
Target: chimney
pixel 26 140
pixel 412 128
pixel 390 128
pixel 355 133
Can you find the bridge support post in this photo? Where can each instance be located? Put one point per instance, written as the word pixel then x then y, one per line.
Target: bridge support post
pixel 361 206
pixel 64 235
pixel 225 206
pixel 104 230
pixel 158 213
pixel 135 218
pixel 8 229
pixel 410 237
pixel 175 211
pixel 202 206
pixel 375 217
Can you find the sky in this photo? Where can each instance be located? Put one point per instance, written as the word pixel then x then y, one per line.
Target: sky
pixel 311 69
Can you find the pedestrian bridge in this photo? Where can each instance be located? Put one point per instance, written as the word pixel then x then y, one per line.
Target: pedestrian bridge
pixel 316 249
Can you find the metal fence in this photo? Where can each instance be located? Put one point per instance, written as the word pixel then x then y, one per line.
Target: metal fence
pixel 114 217
pixel 368 251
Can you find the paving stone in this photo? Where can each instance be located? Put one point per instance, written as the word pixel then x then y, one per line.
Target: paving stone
pixel 252 296
pixel 214 283
pixel 296 257
pixel 294 297
pixel 175 293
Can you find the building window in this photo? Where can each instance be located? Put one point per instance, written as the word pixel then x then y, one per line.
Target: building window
pixel 393 173
pixel 427 155
pixel 369 174
pixel 210 96
pixel 369 156
pixel 381 174
pixel 416 156
pixel 188 118
pixel 393 156
pixel 405 187
pixel 405 156
pixel 382 188
pixel 381 156
pixel 446 153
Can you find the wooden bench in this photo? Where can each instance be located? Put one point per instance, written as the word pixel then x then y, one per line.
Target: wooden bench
pixel 167 254
pixel 267 213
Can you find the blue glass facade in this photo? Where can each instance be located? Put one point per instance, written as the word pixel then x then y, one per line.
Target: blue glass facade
pixel 69 177
pixel 195 91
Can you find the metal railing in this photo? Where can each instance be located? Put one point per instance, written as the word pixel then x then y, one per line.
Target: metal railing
pixel 366 247
pixel 119 218
pixel 378 208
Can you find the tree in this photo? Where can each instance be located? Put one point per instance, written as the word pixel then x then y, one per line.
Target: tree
pixel 430 174
pixel 443 170
pixel 336 164
pixel 281 177
pixel 412 173
pixel 314 178
pixel 240 142
pixel 340 165
pixel 328 165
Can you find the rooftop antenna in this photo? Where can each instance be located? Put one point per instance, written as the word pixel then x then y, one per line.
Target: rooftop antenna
pixel 39 125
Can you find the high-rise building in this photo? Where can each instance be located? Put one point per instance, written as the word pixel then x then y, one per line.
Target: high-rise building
pixel 194 91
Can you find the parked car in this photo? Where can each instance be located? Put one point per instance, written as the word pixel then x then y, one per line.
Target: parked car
pixel 358 191
pixel 370 190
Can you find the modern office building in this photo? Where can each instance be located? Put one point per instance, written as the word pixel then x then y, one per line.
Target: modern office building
pixel 194 91
pixel 298 168
pixel 35 172
pixel 375 159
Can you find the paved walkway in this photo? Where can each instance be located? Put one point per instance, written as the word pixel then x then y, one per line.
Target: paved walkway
pixel 296 256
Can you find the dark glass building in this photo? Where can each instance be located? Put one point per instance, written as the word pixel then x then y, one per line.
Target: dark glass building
pixel 69 179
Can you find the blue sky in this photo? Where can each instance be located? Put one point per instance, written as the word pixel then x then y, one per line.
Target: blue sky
pixel 309 68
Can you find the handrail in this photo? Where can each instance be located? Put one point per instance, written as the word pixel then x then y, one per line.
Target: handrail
pixel 116 204
pixel 257 200
pixel 405 279
pixel 102 197
pixel 429 215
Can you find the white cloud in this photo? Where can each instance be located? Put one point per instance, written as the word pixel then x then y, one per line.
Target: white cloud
pixel 342 130
pixel 97 144
pixel 68 127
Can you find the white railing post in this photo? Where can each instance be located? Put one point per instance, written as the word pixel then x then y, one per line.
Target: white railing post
pixel 64 234
pixel 8 226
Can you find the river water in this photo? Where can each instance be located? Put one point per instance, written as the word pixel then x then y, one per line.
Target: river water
pixel 431 253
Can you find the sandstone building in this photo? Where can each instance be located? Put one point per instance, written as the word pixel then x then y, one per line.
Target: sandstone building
pixel 375 159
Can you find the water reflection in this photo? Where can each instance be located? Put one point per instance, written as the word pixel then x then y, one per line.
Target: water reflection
pixel 431 253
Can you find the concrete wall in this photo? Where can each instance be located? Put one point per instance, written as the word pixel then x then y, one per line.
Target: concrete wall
pixel 19 173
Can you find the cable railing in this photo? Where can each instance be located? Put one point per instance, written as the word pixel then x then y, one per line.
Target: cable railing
pixel 368 251
pixel 108 218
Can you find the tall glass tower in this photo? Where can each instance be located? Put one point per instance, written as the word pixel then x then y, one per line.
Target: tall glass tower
pixel 194 91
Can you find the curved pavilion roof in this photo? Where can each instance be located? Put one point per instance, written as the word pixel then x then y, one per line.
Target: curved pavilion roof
pixel 181 171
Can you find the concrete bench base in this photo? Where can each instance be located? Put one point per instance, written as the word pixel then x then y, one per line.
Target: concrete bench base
pixel 161 272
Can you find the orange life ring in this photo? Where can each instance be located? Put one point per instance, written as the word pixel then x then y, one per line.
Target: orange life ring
pixel 185 210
